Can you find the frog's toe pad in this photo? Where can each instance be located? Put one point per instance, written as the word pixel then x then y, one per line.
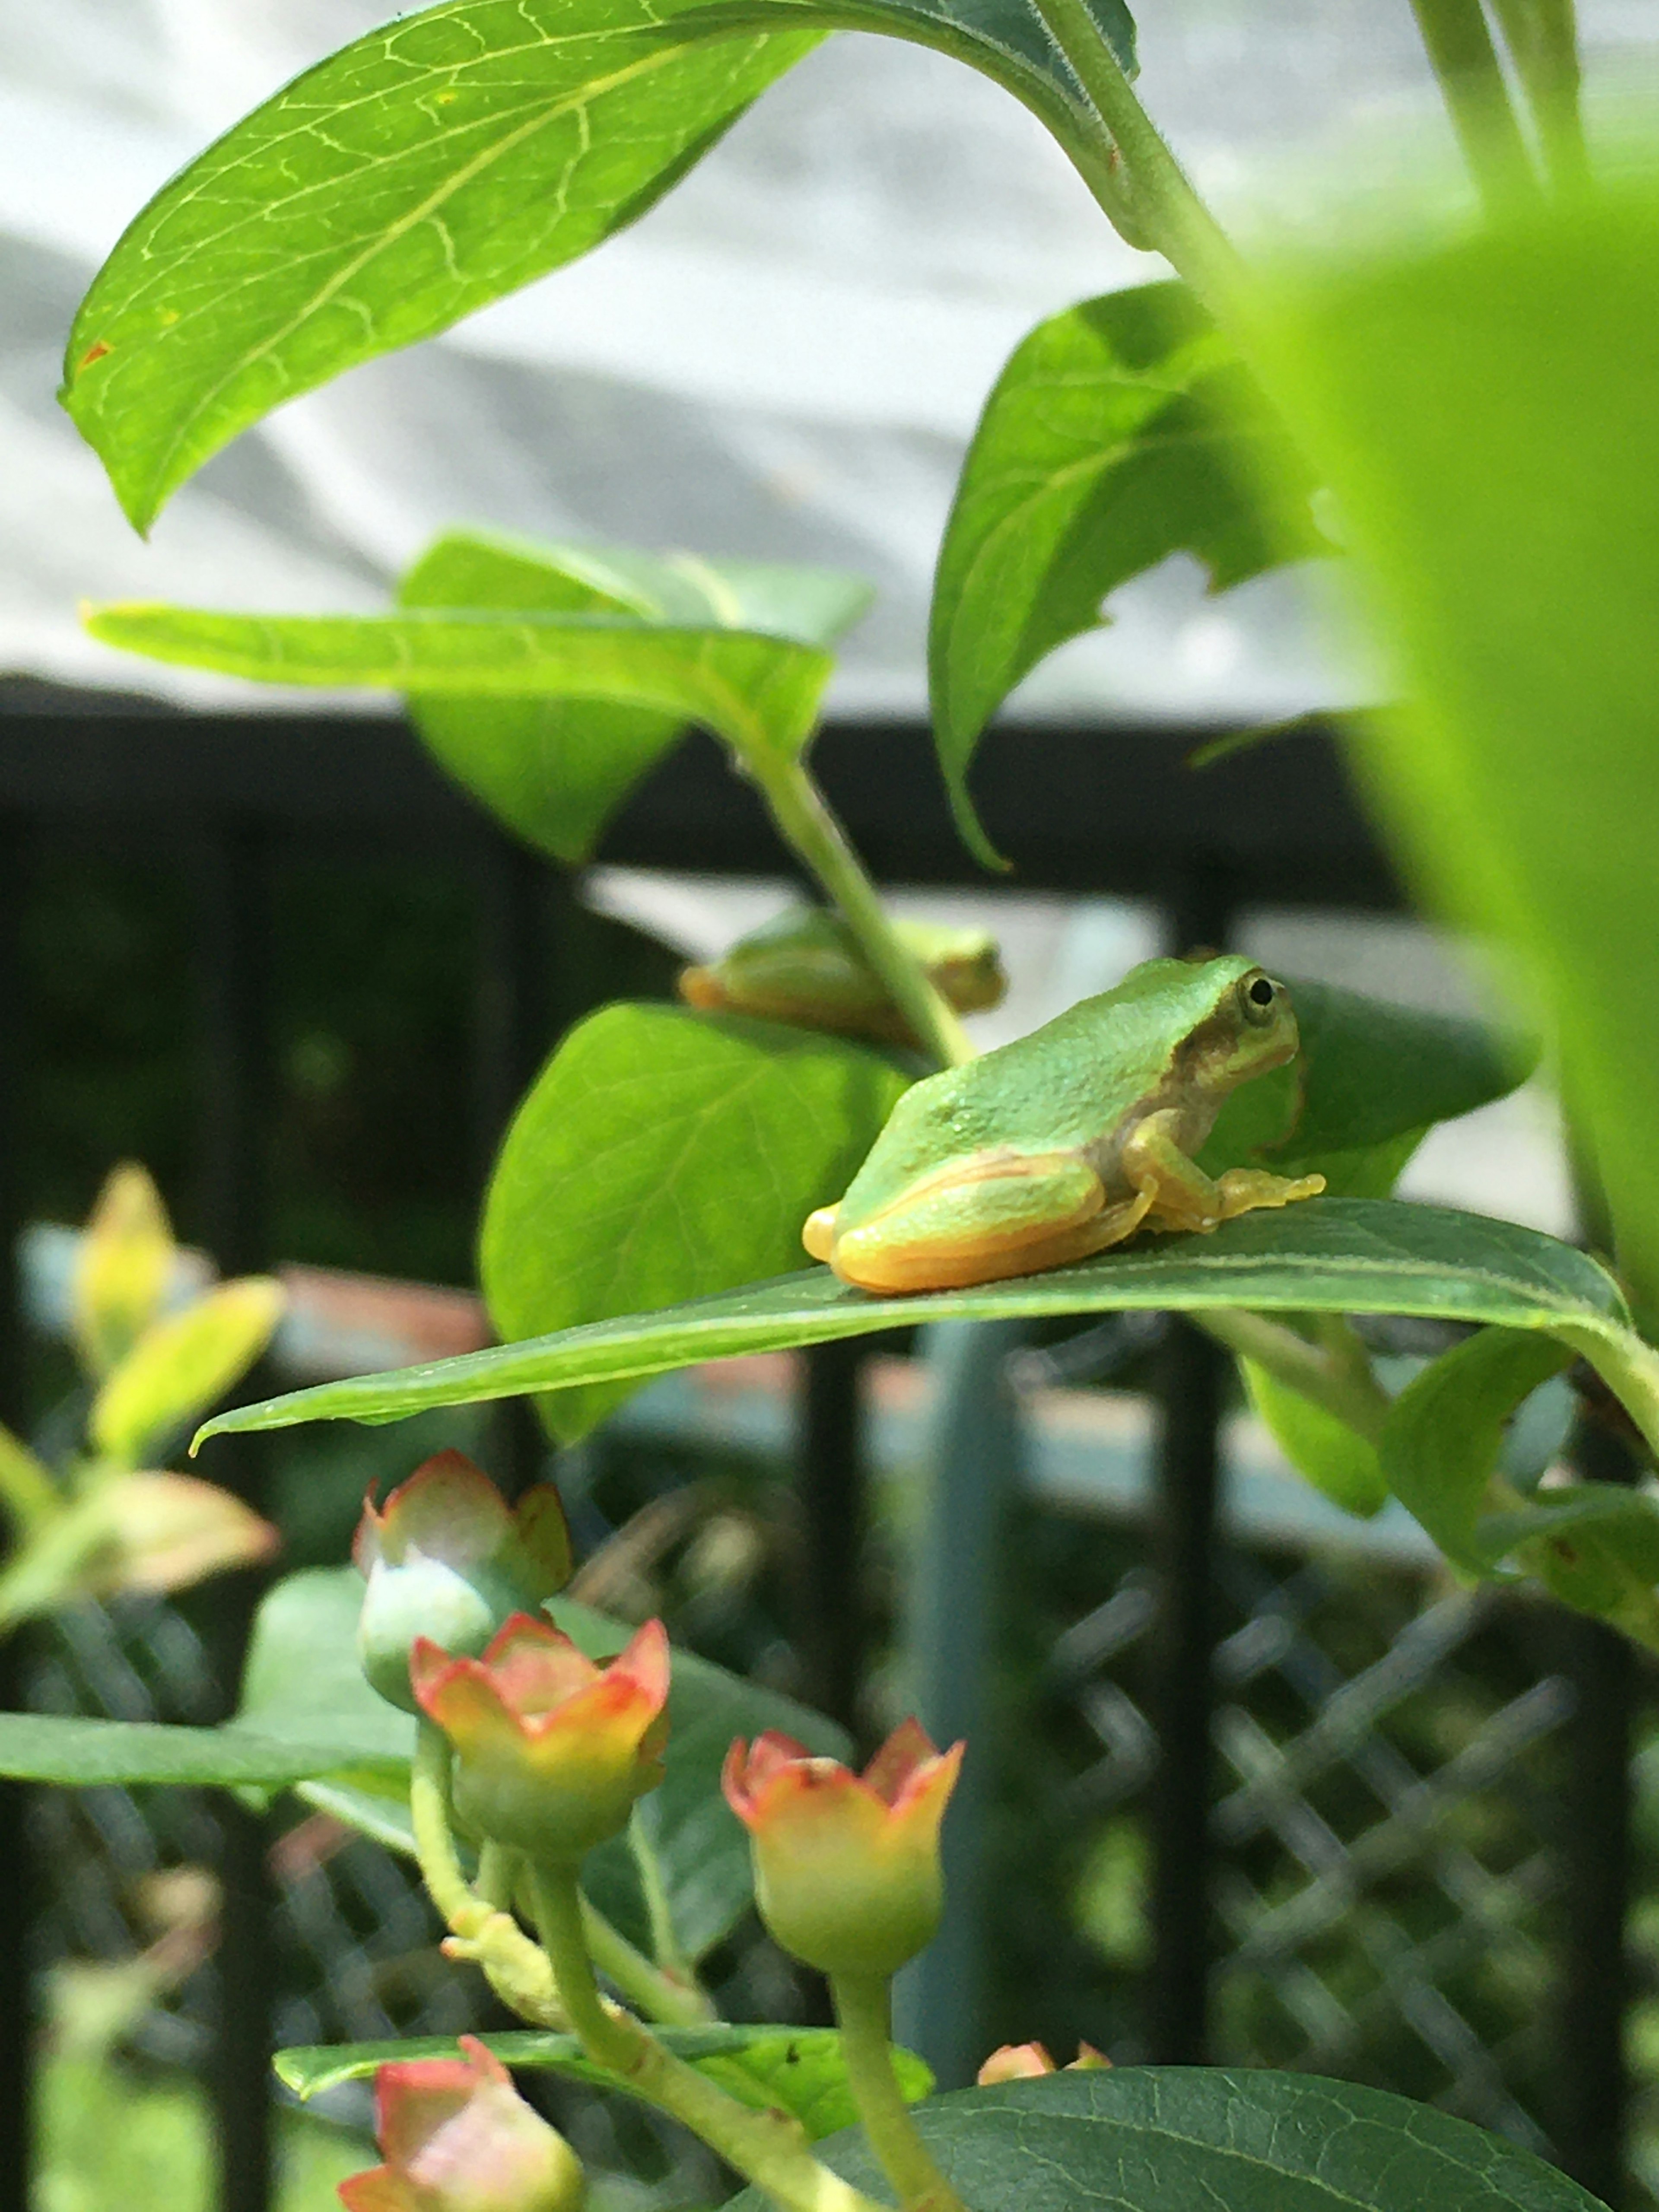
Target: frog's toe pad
pixel 818 1232
pixel 1244 1189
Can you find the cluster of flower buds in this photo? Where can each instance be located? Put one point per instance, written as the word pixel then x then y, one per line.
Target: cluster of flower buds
pixel 447 1558
pixel 457 2136
pixel 846 1866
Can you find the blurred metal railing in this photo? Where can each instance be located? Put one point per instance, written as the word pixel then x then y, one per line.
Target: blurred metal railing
pixel 1104 812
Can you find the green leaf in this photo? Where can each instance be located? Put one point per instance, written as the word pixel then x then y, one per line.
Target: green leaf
pixel 1325 1451
pixel 799 2070
pixel 1440 1439
pixel 760 693
pixel 1370 1080
pixel 433 166
pixel 662 1155
pixel 1483 411
pixel 180 1365
pixel 1167 2138
pixel 1339 1255
pixel 1119 433
pixel 82 1753
pixel 556 769
pixel 303 1682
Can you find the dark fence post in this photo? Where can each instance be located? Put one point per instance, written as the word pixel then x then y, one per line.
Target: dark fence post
pixel 234 893
pixel 17 1888
pixel 1184 1634
pixel 1592 2083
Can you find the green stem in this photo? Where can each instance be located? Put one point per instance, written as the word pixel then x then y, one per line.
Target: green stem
pixel 1332 1377
pixel 800 812
pixel 1542 37
pixel 1167 211
pixel 658 1994
pixel 1629 1367
pixel 1463 58
pixel 665 1946
pixel 864 2013
pixel 768 2148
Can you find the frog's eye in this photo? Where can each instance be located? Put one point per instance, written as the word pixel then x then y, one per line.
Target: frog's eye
pixel 1259 996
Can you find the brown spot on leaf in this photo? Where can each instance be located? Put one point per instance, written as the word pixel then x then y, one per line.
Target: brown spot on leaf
pixel 95 352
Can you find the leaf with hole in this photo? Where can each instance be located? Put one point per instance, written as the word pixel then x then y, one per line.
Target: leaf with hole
pixel 799 2070
pixel 556 769
pixel 662 1155
pixel 1120 432
pixel 437 164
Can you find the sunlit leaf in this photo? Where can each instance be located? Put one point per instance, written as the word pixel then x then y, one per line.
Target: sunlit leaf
pixel 180 1365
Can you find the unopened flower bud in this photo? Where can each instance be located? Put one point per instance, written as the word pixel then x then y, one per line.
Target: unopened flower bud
pixel 846 1866
pixel 458 2137
pixel 1026 2062
pixel 449 1558
pixel 550 1750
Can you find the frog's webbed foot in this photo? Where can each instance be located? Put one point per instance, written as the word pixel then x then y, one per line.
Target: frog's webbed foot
pixel 1241 1190
pixel 1181 1196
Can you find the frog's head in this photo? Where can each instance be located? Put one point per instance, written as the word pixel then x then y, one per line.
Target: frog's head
pixel 1251 1027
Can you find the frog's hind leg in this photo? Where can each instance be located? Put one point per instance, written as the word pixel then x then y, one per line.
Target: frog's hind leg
pixel 1009 1216
pixel 1180 1195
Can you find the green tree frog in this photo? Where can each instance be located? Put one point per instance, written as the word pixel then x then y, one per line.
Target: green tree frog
pixel 804 966
pixel 1069 1139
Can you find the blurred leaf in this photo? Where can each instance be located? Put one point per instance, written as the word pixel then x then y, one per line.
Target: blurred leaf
pixel 82 1754
pixel 1593 1545
pixel 1172 2138
pixel 1483 412
pixel 303 1682
pixel 122 1269
pixel 1119 433
pixel 182 1365
pixel 1441 1440
pixel 1325 1451
pixel 760 693
pixel 435 165
pixel 1370 1080
pixel 799 2070
pixel 164 1532
pixel 30 1496
pixel 662 1155
pixel 555 770
pixel 1338 1255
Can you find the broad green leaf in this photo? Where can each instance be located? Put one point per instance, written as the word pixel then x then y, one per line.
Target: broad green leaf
pixel 433 166
pixel 1119 433
pixel 1169 2139
pixel 1324 1450
pixel 1339 1255
pixel 758 692
pixel 82 1753
pixel 302 1682
pixel 662 1155
pixel 556 769
pixel 180 1365
pixel 121 1271
pixel 1483 411
pixel 799 2070
pixel 1440 1441
pixel 1593 1545
pixel 1370 1080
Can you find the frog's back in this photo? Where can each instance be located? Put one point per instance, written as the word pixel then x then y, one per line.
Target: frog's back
pixel 1065 1086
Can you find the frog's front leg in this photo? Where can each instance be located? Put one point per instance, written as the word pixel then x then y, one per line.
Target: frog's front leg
pixel 1180 1195
pixel 995 1216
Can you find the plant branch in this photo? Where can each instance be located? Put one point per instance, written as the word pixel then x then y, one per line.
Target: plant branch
pixel 1542 37
pixel 1335 1377
pixel 802 815
pixel 768 2148
pixel 864 2013
pixel 660 1994
pixel 666 1948
pixel 1463 58
pixel 1166 212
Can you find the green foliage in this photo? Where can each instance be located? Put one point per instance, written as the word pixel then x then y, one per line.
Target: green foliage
pixel 1341 1255
pixel 433 166
pixel 1370 1082
pixel 81 1754
pixel 180 1365
pixel 1483 412
pixel 760 693
pixel 1324 1450
pixel 1120 432
pixel 556 769
pixel 796 2070
pixel 613 1191
pixel 1164 2139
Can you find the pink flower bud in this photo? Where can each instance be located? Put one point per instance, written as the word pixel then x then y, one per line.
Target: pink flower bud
pixel 846 1867
pixel 447 1558
pixel 1025 2062
pixel 550 1750
pixel 458 2137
